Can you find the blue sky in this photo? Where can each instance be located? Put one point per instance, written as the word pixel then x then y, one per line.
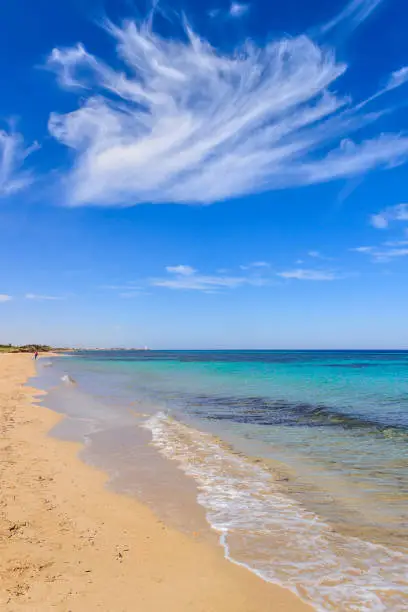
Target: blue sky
pixel 204 175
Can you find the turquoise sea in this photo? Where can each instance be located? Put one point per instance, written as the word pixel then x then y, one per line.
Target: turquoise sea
pixel 299 458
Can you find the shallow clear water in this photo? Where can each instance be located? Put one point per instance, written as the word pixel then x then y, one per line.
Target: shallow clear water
pixel 298 458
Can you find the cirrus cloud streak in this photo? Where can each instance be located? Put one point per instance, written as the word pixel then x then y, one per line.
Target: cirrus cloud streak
pixel 183 122
pixel 386 252
pixel 310 275
pixel 187 278
pixel 353 14
pixel 13 154
pixel 36 296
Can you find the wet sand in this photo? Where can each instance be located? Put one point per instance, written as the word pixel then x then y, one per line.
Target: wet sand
pixel 69 544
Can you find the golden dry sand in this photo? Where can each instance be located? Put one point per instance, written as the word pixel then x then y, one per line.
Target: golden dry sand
pixel 69 544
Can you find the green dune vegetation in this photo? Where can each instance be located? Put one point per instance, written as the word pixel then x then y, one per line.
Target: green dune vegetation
pixel 26 348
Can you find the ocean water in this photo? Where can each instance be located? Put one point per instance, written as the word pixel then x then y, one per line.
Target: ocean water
pixel 299 459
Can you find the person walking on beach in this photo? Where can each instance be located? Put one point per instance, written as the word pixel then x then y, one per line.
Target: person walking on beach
pixel 35 355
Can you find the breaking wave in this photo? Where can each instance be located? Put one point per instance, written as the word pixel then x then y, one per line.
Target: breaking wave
pixel 274 536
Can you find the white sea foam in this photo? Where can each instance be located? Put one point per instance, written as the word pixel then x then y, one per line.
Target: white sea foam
pixel 276 537
pixel 68 380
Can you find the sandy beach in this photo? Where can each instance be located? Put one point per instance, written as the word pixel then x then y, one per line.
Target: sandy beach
pixel 67 543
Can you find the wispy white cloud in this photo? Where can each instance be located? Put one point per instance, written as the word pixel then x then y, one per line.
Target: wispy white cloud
pixel 392 253
pixel 353 15
pixel 13 153
pixel 396 243
pixel 129 289
pixel 363 249
pixel 181 270
pixel 256 265
pixel 238 9
pixel 319 255
pixel 185 277
pixel 35 296
pixel 182 122
pixel 397 78
pixel 385 252
pixel 379 221
pixel 394 80
pixel 5 298
pixel 214 12
pixel 309 275
pixel 382 220
pixel 132 294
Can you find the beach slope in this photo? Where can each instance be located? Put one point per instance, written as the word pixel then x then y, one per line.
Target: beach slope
pixel 69 544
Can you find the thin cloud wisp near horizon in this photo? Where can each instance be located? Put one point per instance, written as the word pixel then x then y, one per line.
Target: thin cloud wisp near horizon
pixel 187 278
